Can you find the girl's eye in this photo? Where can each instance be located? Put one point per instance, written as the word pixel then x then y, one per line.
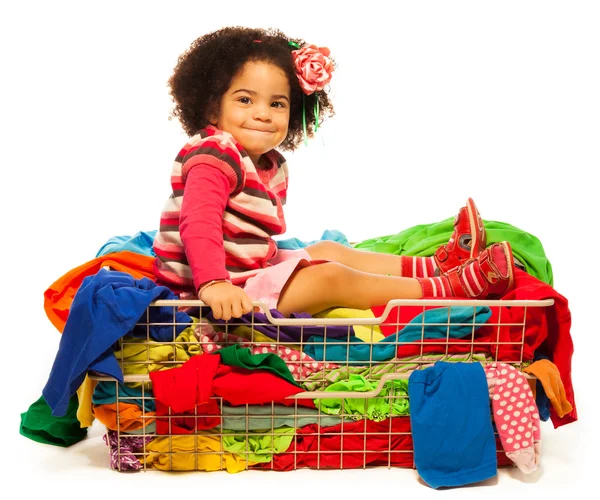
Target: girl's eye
pixel 245 100
pixel 278 105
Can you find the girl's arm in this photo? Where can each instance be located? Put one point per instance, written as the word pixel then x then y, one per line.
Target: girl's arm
pixel 201 225
pixel 201 228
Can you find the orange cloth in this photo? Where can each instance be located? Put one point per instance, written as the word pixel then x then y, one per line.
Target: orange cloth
pixel 548 374
pixel 532 385
pixel 59 296
pixel 131 417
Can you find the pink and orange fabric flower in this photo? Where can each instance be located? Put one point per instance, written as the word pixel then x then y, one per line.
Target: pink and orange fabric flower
pixel 313 67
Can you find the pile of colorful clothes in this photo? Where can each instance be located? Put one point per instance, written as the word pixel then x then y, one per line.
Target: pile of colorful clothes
pixel 220 396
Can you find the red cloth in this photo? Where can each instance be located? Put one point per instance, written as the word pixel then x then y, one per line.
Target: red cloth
pixel 187 391
pixel 187 422
pixel 364 443
pixel 550 329
pixel 547 328
pixel 316 446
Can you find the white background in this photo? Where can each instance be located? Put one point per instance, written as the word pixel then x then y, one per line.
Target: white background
pixel 436 102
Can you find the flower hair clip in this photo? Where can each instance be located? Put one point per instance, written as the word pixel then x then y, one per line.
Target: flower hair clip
pixel 313 66
pixel 314 70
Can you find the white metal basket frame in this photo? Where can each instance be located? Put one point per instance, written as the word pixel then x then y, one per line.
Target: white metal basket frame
pixel 349 322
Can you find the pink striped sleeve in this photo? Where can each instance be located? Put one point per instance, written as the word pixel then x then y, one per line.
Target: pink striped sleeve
pixel 219 152
pixel 201 224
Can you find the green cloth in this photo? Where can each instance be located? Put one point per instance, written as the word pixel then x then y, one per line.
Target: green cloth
pixel 318 380
pixel 235 355
pixel 392 400
pixel 38 424
pixel 258 447
pixel 423 240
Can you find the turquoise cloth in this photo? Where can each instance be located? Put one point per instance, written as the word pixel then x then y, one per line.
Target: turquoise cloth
pixel 328 235
pixel 106 393
pixel 454 322
pixel 139 243
pixel 423 240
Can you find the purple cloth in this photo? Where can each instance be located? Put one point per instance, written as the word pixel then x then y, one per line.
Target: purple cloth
pixel 123 458
pixel 285 333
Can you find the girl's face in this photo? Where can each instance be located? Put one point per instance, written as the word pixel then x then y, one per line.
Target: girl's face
pixel 255 109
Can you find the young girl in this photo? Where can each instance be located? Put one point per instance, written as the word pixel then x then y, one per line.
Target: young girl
pixel 241 93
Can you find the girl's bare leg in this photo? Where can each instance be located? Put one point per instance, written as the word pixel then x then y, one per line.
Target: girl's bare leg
pixel 332 284
pixel 361 260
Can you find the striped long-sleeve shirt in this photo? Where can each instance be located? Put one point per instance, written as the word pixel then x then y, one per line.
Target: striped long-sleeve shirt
pixel 189 221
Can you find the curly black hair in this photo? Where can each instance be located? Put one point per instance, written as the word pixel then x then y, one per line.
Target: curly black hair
pixel 204 72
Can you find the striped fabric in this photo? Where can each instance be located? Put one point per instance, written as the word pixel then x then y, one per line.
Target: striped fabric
pixel 436 287
pixel 417 267
pixel 253 213
pixel 472 280
pixel 469 283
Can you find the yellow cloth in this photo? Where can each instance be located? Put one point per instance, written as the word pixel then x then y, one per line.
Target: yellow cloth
pixel 548 374
pixel 366 333
pixel 138 356
pixel 84 395
pixel 179 453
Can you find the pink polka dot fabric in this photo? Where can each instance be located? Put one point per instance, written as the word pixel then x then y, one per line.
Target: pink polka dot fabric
pixel 515 414
pixel 300 364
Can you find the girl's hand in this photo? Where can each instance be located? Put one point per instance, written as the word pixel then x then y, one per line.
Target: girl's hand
pixel 226 300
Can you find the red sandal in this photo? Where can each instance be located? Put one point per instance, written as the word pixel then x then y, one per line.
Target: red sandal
pixel 489 276
pixel 467 241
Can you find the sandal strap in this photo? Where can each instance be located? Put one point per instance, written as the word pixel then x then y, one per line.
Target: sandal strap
pixel 488 268
pixel 455 283
pixel 441 255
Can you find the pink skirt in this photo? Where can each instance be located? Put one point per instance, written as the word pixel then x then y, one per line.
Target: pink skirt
pixel 266 286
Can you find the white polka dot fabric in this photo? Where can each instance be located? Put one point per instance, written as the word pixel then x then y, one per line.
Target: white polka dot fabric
pixel 515 414
pixel 300 364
